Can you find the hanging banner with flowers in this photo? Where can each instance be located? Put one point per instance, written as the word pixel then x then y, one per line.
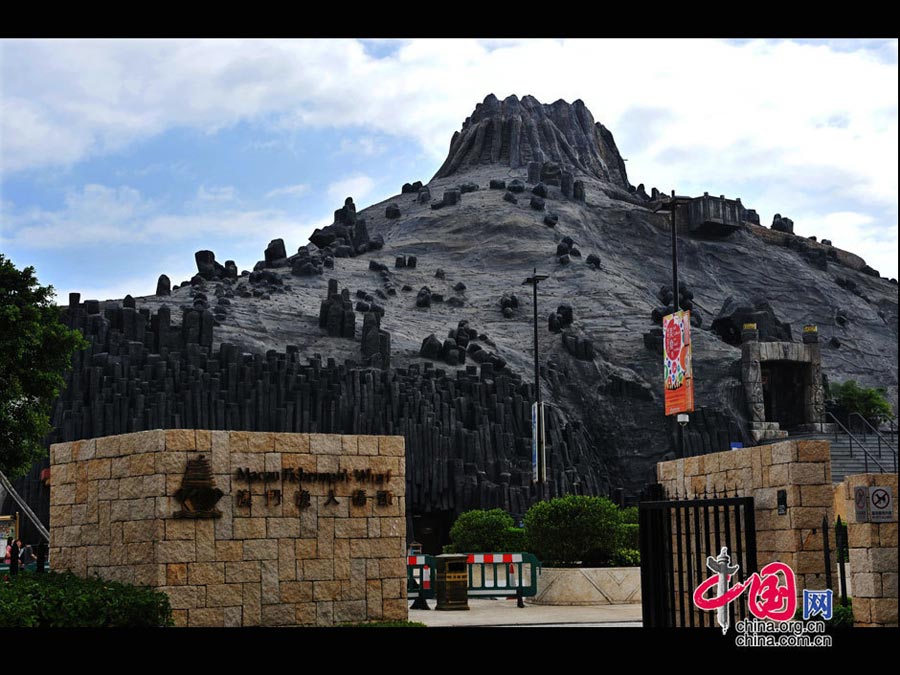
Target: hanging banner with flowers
pixel 679 380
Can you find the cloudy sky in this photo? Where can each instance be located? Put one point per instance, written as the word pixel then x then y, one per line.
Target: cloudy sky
pixel 119 159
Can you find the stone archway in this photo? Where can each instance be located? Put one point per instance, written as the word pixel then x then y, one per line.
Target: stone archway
pixel 782 384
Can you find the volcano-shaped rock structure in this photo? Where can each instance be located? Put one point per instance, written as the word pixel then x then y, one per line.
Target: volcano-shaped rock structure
pixel 518 133
pixel 260 361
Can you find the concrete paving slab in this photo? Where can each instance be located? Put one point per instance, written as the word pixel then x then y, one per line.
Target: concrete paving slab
pixel 500 612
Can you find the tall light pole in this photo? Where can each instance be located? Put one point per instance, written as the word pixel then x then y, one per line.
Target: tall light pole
pixel 674 257
pixel 682 418
pixel 534 280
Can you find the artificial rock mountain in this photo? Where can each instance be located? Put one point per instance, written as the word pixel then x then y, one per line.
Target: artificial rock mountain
pixel 410 317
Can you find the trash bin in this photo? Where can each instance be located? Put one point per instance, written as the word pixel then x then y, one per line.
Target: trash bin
pixel 451 581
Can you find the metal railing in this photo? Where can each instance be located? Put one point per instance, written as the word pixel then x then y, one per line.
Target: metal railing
pixel 868 426
pixel 38 525
pixel 489 574
pixel 854 439
pixel 503 574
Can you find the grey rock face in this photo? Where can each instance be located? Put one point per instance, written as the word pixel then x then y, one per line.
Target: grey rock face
pixel 608 425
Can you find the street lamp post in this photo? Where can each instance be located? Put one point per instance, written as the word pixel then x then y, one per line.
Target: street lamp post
pixel 534 280
pixel 683 418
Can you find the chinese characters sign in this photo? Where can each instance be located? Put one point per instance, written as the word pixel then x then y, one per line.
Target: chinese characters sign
pixel 302 499
pixel 678 376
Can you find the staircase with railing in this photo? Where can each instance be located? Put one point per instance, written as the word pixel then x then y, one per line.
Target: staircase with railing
pixel 866 451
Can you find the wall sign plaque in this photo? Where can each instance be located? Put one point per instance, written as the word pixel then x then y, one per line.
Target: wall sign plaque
pixel 198 493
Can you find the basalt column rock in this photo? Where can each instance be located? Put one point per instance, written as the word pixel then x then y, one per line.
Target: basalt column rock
pixel 336 313
pixel 376 343
pixel 348 236
pixel 578 191
pixel 474 425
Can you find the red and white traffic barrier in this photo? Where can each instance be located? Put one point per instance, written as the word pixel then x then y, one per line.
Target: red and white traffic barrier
pixel 495 558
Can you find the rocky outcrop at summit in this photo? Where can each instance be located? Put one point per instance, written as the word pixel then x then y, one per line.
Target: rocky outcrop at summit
pixel 519 133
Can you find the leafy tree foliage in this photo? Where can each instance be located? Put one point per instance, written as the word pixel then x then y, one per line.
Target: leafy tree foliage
pixel 850 397
pixel 35 352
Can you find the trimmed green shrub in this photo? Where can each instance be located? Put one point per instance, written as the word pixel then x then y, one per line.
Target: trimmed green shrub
pixel 629 515
pixel 630 536
pixel 479 530
pixel 574 529
pixel 627 557
pixel 841 617
pixel 63 600
pixel 515 540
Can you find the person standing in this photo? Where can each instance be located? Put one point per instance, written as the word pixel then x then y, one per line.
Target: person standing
pixel 26 557
pixel 14 557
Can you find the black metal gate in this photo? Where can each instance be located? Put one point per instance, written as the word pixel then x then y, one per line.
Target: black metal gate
pixel 676 536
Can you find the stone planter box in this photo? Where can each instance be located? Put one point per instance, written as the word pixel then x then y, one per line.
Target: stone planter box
pixel 588 586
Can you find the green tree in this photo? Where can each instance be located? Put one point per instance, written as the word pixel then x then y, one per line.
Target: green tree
pixel 35 352
pixel 868 402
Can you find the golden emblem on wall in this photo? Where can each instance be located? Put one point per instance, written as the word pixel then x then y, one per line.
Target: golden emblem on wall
pixel 198 493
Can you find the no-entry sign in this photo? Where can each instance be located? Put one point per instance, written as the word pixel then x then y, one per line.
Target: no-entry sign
pixel 881 504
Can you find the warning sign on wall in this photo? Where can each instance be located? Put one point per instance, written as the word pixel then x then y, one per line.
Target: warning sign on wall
pixel 881 504
pixel 861 504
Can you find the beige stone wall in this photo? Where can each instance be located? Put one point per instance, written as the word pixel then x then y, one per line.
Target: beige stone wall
pixel 873 554
pixel 586 586
pixel 111 514
pixel 802 468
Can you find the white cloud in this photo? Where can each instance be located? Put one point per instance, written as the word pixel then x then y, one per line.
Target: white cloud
pixel 226 193
pixel 366 146
pixel 796 128
pixel 102 215
pixel 288 191
pixel 358 186
pixel 854 232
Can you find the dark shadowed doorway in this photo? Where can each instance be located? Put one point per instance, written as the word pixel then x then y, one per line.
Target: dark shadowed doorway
pixel 784 390
pixel 432 530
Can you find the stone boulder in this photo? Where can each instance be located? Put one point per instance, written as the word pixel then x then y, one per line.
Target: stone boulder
pixel 730 320
pixel 163 285
pixel 780 224
pixel 275 254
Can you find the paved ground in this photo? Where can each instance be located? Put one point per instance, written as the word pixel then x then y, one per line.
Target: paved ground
pixel 486 612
